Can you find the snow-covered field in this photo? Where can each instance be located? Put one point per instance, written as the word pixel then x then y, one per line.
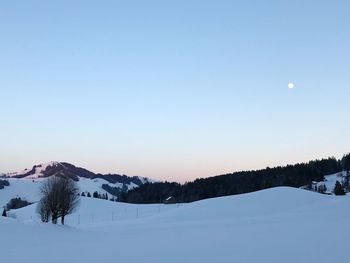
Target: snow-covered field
pixel 275 225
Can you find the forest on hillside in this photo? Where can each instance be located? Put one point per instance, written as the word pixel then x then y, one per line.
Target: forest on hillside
pixel 296 175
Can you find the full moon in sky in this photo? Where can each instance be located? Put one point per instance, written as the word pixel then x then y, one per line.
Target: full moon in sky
pixel 291 85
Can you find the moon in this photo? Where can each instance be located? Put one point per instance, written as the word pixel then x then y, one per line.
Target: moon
pixel 291 85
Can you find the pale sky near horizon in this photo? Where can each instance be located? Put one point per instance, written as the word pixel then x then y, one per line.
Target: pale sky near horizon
pixel 173 90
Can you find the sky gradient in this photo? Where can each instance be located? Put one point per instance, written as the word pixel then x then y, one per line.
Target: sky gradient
pixel 173 90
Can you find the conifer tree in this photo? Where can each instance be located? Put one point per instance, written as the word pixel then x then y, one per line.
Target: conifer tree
pixel 338 189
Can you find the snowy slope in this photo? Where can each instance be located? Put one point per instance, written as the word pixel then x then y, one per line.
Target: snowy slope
pixel 276 225
pixel 329 181
pixel 29 189
pixel 74 172
pixel 23 188
pixel 26 183
pixel 36 172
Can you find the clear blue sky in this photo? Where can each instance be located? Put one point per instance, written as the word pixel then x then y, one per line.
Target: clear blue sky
pixel 173 89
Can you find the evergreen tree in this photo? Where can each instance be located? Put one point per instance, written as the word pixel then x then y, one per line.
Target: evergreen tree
pixel 346 182
pixel 338 189
pixel 345 162
pixel 4 213
pixel 88 194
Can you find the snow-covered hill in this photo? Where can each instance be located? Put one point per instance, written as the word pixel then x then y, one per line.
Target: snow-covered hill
pixel 275 225
pixel 52 168
pixel 29 189
pixel 26 183
pixel 40 170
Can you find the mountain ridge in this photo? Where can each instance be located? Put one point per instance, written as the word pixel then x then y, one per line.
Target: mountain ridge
pixel 113 184
pixel 51 168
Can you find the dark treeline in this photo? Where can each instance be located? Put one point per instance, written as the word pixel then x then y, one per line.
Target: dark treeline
pixel 115 191
pixel 238 183
pixel 117 178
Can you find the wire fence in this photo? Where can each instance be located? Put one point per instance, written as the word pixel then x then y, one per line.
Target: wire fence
pixel 86 217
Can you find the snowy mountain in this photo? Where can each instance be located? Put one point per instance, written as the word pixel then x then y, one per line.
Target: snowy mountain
pixel 74 172
pixel 113 184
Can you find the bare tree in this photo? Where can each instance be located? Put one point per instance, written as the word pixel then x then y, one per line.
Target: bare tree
pixel 59 197
pixel 44 210
pixel 68 198
pixel 49 203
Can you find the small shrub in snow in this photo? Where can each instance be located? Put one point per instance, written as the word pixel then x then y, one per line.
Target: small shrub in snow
pixel 16 203
pixel 4 183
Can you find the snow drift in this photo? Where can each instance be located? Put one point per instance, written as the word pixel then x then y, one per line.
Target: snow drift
pixel 276 225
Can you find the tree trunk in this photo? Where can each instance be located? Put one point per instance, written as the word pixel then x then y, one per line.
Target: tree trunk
pixel 62 220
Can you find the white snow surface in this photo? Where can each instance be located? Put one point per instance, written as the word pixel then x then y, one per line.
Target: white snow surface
pixel 276 225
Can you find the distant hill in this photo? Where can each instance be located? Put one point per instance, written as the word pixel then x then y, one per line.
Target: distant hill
pixel 114 184
pixel 74 172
